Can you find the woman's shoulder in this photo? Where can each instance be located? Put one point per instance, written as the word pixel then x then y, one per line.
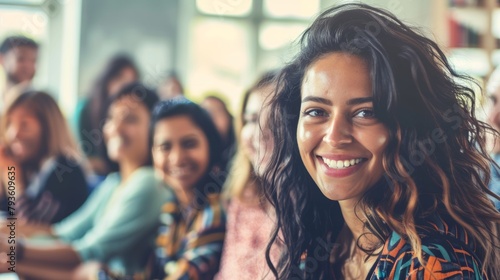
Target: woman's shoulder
pixel 143 182
pixel 62 171
pixel 447 252
pixel 144 176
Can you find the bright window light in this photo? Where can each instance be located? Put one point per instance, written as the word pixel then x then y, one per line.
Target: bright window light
pixel 29 22
pixel 23 2
pixel 225 7
pixel 220 59
pixel 291 9
pixel 278 35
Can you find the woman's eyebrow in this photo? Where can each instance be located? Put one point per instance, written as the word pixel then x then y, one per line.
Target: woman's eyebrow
pixel 361 100
pixel 354 101
pixel 317 99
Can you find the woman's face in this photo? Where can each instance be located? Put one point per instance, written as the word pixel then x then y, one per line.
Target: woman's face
pixel 181 152
pixel 340 141
pixel 23 134
pixel 255 137
pixel 126 131
pixel 219 116
pixel 126 76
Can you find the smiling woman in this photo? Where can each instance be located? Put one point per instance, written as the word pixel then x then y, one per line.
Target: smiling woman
pixel 337 127
pixel 35 139
pixel 373 192
pixel 186 152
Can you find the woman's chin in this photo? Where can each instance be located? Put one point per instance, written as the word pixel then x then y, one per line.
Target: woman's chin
pixel 115 156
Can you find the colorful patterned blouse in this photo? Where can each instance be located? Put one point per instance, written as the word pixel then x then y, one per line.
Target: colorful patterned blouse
pixel 189 245
pixel 447 250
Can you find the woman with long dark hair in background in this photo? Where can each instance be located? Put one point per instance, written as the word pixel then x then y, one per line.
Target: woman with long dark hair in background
pixel 119 71
pixel 250 219
pixel 42 172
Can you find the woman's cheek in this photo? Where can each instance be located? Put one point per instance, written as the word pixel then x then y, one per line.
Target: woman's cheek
pixel 246 140
pixel 304 136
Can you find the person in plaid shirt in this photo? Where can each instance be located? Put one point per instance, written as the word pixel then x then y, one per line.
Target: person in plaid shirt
pixel 186 150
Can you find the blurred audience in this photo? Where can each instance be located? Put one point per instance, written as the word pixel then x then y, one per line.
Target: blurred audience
pixel 47 169
pixel 186 149
pixel 224 123
pixel 119 71
pixel 118 223
pixel 170 87
pixel 250 221
pixel 18 57
pixel 493 90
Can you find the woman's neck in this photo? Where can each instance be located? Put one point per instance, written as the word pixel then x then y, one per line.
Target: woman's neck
pixel 357 262
pixel 184 197
pixel 127 168
pixel 355 223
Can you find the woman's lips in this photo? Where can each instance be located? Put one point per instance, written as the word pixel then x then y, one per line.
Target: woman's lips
pixel 340 166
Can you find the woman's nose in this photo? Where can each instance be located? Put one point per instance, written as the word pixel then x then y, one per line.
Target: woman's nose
pixel 176 155
pixel 339 131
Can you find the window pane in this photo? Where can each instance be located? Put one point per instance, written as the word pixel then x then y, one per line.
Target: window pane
pixel 225 7
pixel 496 25
pixel 291 9
pixel 30 22
pixel 219 58
pixel 274 35
pixel 30 2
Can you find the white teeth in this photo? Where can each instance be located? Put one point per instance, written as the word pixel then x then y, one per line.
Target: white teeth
pixel 180 172
pixel 340 164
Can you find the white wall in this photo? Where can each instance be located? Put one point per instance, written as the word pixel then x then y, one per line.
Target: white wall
pixel 146 30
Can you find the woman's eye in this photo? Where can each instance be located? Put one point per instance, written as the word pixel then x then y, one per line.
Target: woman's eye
pixel 365 113
pixel 130 119
pixel 315 113
pixel 164 147
pixel 190 144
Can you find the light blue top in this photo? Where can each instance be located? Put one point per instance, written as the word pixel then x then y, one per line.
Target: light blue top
pixel 117 226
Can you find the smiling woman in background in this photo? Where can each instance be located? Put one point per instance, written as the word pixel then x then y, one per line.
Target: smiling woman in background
pixel 379 161
pixel 250 219
pixel 119 71
pixel 186 149
pixel 35 140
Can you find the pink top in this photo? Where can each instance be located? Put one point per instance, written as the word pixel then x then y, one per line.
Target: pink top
pixel 248 230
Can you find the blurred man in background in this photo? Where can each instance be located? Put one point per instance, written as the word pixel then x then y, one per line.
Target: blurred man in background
pixel 18 57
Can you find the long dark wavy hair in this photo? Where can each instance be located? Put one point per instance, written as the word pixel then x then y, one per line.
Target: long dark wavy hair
pixel 416 96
